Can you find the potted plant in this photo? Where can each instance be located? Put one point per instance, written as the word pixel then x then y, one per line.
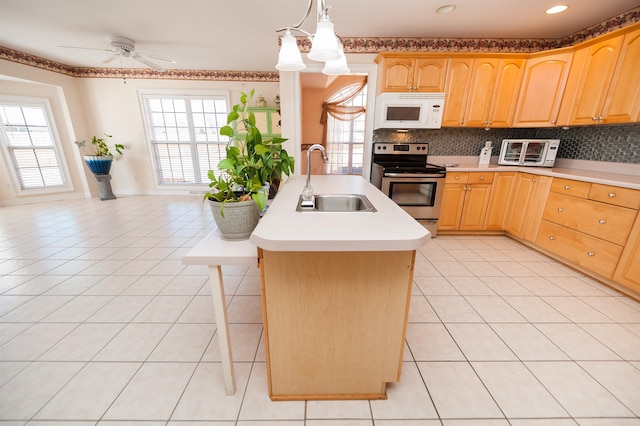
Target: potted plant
pixel 100 164
pixel 238 189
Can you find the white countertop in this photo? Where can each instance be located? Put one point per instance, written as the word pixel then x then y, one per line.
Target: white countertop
pixel 390 228
pixel 605 178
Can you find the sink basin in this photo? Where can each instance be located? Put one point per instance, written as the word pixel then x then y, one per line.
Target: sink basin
pixel 339 203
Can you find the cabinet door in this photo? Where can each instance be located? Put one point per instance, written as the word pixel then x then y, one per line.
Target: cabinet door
pixel 430 74
pixel 396 74
pixel 623 100
pixel 627 272
pixel 483 81
pixel 594 65
pixel 452 203
pixel 536 205
pixel 476 201
pixel 518 213
pixel 500 200
pixel 456 90
pixel 544 80
pixel 505 95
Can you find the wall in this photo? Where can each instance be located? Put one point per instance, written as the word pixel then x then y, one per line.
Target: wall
pixel 616 144
pixel 84 107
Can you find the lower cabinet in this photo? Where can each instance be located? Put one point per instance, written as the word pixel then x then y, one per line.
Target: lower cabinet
pixel 627 272
pixel 465 201
pixel 500 200
pixel 527 205
pixel 594 254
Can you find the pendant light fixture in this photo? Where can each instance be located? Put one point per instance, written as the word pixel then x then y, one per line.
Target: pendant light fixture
pixel 325 45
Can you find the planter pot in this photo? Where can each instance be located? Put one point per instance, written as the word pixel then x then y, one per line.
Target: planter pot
pixel 239 220
pixel 99 164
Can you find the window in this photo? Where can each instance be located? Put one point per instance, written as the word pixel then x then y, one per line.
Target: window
pixel 184 132
pixel 345 139
pixel 30 142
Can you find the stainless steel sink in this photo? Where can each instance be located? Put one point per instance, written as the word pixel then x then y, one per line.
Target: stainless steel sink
pixel 339 203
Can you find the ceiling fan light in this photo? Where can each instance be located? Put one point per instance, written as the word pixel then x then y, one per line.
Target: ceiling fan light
pixel 337 66
pixel 324 46
pixel 556 9
pixel 290 58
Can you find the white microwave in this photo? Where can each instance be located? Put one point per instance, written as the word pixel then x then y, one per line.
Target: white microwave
pixel 529 152
pixel 409 110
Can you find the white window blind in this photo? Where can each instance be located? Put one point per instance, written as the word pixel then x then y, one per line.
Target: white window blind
pixel 184 132
pixel 31 147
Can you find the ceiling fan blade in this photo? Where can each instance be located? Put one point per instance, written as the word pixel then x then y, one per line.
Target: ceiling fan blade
pixel 110 58
pixel 157 58
pixel 147 62
pixel 89 48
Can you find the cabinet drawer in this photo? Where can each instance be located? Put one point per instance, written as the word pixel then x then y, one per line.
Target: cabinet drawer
pixel 611 223
pixel 615 195
pixel 589 252
pixel 476 177
pixel 570 187
pixel 456 177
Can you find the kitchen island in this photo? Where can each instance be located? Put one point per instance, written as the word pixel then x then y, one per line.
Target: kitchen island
pixel 335 292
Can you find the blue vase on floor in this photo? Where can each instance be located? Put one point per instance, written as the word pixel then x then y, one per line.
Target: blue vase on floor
pixel 99 164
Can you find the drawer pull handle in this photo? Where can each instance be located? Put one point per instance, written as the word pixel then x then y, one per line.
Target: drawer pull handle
pixel 481 177
pixel 567 187
pixel 602 221
pixel 552 238
pixel 591 254
pixel 560 209
pixel 612 194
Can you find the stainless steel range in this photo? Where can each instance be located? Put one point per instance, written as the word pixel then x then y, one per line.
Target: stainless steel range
pixel 401 171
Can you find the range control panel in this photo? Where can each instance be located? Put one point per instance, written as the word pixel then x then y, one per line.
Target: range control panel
pixel 400 148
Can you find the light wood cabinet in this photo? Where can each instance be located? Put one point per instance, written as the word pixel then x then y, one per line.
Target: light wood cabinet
pixel 493 94
pixel 543 84
pixel 627 272
pixel 411 74
pixel 616 195
pixel 500 200
pixel 456 90
pixel 527 205
pixel 603 85
pixel 465 201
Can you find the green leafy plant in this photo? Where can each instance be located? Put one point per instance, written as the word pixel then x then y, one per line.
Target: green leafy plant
pixel 103 149
pixel 251 160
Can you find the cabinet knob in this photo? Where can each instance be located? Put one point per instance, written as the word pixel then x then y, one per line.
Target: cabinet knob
pixel 560 209
pixel 533 180
pixel 462 122
pixel 591 254
pixel 552 238
pixel 481 177
pixel 553 122
pixel 567 187
pixel 601 117
pixel 594 118
pixel 612 194
pixel 457 177
pixel 602 221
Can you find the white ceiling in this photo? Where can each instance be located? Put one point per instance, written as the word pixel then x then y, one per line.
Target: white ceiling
pixel 240 34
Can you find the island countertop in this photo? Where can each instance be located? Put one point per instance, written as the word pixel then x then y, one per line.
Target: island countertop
pixel 390 228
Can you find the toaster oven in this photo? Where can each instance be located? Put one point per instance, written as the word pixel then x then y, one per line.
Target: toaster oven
pixel 529 152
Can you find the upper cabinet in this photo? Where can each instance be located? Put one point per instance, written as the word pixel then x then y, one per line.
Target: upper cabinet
pixel 456 91
pixel 545 77
pixel 604 86
pixel 400 73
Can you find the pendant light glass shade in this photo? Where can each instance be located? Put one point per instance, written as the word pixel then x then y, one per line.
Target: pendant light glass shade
pixel 290 58
pixel 324 46
pixel 337 66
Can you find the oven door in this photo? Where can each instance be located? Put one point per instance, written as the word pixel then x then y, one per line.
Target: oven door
pixel 421 197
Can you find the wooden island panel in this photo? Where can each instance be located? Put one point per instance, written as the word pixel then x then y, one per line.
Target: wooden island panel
pixel 334 322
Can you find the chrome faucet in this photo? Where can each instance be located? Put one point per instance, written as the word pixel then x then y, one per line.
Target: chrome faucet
pixel 308 199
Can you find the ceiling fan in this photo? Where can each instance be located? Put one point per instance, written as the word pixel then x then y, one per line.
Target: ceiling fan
pixel 125 47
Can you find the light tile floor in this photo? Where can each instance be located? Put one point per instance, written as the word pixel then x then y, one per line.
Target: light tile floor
pixel 101 324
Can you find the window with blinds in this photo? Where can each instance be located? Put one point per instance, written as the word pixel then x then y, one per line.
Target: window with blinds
pixel 184 132
pixel 29 140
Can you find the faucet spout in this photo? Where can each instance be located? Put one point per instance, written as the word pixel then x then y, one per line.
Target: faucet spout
pixel 308 200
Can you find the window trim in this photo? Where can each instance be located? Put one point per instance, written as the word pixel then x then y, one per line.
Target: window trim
pixel 57 146
pixel 199 188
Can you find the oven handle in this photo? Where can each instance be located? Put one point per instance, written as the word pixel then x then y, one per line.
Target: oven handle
pixel 414 175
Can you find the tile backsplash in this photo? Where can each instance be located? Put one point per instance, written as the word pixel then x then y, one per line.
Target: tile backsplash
pixel 617 144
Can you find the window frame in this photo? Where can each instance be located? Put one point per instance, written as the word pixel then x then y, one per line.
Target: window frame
pixel 193 187
pixel 45 104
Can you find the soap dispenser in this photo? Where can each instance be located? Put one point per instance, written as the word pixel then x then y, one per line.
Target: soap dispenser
pixel 485 154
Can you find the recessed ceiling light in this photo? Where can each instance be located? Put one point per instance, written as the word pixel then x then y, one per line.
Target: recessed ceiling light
pixel 556 9
pixel 446 8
